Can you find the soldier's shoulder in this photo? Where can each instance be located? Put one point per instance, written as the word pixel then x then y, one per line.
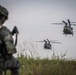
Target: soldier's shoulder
pixel 4 31
pixel 4 28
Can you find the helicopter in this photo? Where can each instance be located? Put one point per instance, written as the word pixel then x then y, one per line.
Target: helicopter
pixel 47 43
pixel 67 29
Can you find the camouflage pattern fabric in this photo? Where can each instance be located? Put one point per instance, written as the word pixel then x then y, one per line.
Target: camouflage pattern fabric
pixel 6 36
pixel 3 11
pixel 9 62
pixel 12 63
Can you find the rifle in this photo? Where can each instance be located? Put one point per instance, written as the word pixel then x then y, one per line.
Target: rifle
pixel 15 31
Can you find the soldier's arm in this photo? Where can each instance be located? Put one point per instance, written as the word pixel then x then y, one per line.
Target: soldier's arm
pixel 9 42
pixel 10 47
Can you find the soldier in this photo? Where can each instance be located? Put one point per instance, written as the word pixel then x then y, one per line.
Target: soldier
pixel 7 46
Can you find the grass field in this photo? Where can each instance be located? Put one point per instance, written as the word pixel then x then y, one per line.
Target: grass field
pixel 57 65
pixel 31 66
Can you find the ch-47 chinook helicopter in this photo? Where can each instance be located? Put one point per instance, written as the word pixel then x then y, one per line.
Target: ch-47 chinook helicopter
pixel 47 43
pixel 67 29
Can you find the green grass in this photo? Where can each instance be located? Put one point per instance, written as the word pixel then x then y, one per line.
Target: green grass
pixel 31 66
pixel 57 65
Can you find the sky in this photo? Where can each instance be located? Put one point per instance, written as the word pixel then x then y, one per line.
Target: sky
pixel 34 20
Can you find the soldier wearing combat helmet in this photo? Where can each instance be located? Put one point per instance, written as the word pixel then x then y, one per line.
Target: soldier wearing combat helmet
pixel 7 46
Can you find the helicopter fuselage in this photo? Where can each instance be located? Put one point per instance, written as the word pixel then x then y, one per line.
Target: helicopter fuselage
pixel 47 46
pixel 68 30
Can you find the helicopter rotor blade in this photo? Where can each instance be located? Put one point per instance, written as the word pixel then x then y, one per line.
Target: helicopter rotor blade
pixel 51 40
pixel 70 23
pixel 64 22
pixel 39 41
pixel 55 42
pixel 42 41
pixel 68 20
pixel 73 24
pixel 57 23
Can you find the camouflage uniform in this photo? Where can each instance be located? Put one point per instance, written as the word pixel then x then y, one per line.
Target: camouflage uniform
pixel 7 48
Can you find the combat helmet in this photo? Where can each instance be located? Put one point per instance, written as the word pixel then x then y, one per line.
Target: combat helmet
pixel 3 11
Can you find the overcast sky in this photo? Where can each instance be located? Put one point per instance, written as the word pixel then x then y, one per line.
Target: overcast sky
pixel 34 17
